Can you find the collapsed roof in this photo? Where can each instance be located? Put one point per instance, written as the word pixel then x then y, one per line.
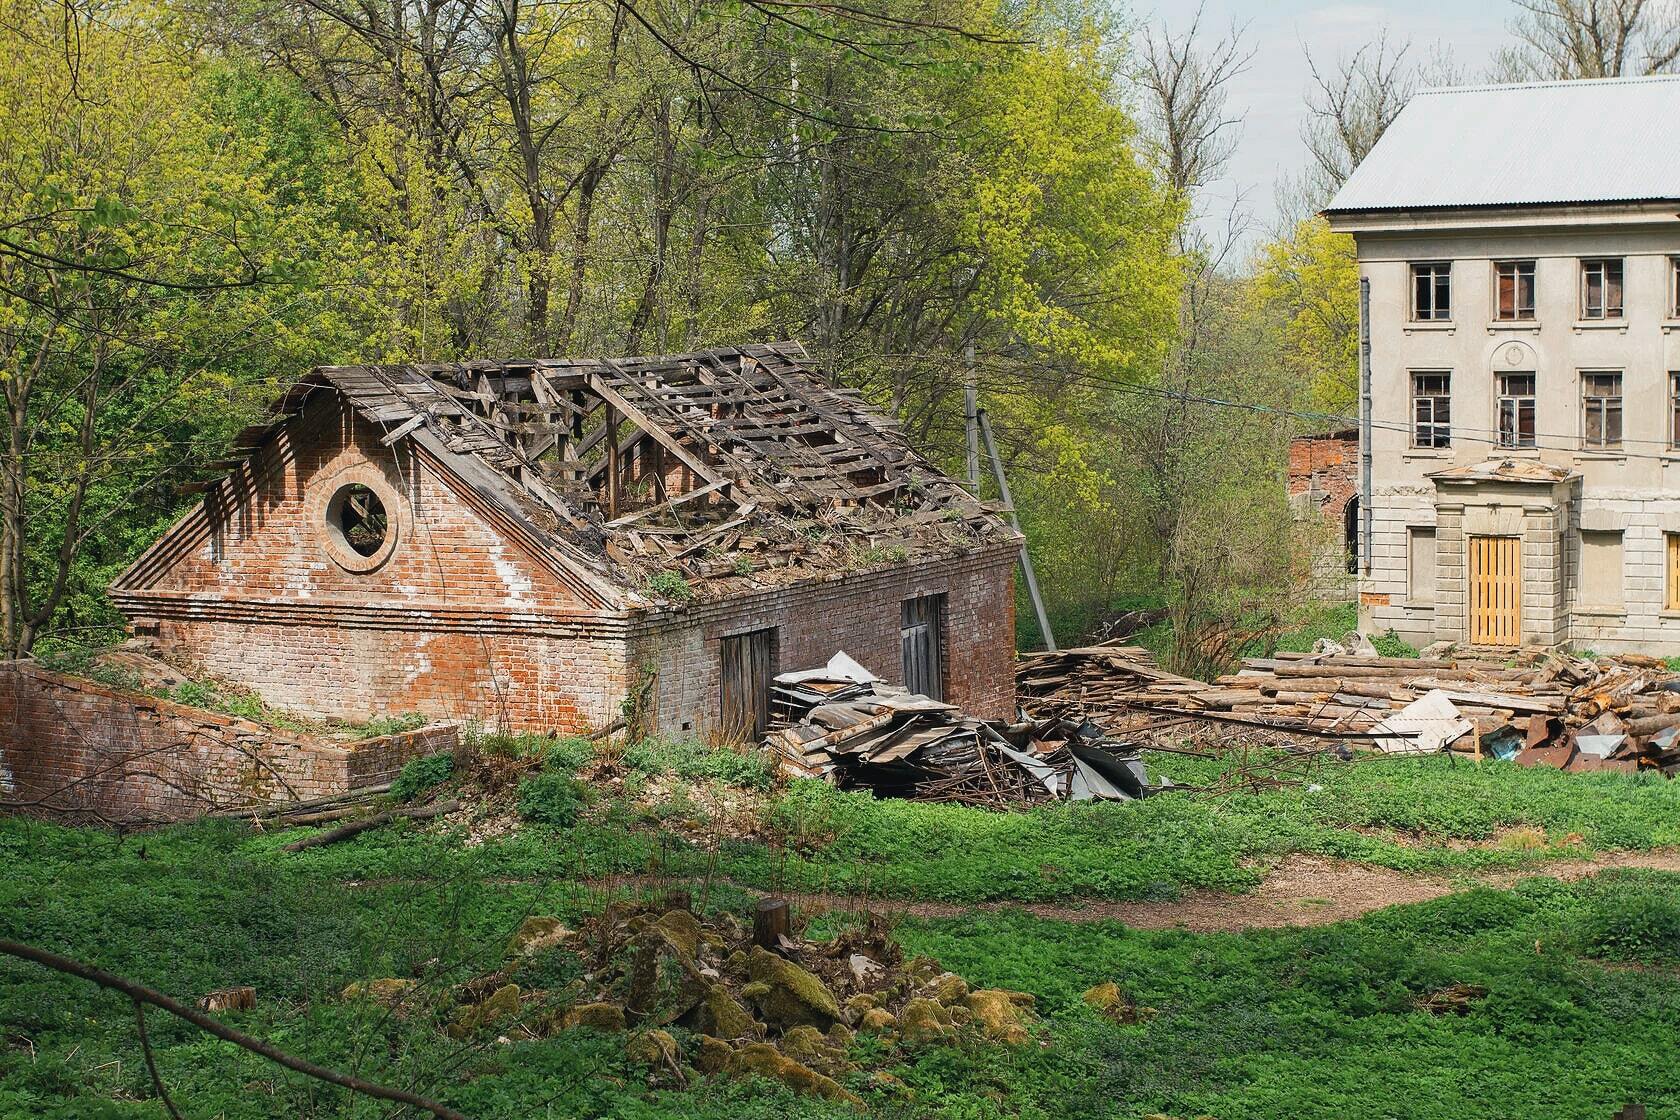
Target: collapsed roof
pixel 731 467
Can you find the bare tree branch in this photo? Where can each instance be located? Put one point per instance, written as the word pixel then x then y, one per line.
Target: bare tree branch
pixel 140 994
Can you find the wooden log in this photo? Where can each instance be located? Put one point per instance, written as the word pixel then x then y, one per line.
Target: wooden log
pixel 1649 725
pixel 345 831
pixel 770 923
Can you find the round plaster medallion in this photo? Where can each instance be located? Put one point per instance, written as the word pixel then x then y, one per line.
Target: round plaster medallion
pixel 1513 354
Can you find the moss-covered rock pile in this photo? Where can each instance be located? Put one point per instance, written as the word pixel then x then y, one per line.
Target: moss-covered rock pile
pixel 695 998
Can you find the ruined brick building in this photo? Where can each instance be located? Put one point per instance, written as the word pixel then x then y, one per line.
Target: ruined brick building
pixel 1323 482
pixel 535 543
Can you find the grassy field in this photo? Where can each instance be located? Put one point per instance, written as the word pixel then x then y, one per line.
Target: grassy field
pixel 1579 983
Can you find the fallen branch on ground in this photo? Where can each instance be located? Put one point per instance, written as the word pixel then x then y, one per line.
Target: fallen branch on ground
pixel 140 994
pixel 345 831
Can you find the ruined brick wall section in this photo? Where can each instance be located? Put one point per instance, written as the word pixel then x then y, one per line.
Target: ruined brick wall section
pixel 77 749
pixel 523 682
pixel 859 613
pixel 1323 479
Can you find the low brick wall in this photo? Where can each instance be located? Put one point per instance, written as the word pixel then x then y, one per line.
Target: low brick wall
pixel 76 749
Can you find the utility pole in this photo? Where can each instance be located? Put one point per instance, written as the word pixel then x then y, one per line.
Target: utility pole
pixel 1009 508
pixel 971 415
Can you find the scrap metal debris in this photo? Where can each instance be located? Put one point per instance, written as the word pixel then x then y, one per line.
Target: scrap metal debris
pixel 843 723
pixel 1536 708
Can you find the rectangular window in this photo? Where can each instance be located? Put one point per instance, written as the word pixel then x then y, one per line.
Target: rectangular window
pixel 1420 573
pixel 1601 569
pixel 1671 597
pixel 1674 409
pixel 747 666
pixel 1674 287
pixel 1514 290
pixel 1432 291
pixel 1432 409
pixel 1516 410
pixel 1601 289
pixel 1601 411
pixel 922 622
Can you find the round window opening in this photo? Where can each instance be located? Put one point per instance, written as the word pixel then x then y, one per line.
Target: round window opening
pixel 357 517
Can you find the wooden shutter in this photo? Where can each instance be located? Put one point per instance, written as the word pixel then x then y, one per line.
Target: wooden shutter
pixel 919 639
pixel 1495 591
pixel 1671 597
pixel 746 671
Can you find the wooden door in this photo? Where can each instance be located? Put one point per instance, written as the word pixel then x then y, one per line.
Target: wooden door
pixel 747 661
pixel 1671 591
pixel 1495 591
pixel 918 636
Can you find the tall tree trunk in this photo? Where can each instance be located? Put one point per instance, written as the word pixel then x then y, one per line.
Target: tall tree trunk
pixel 664 170
pixel 587 185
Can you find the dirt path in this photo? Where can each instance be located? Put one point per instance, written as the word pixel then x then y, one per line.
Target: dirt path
pixel 1300 890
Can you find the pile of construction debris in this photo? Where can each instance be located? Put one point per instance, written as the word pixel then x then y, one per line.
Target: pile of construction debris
pixel 843 723
pixel 1554 709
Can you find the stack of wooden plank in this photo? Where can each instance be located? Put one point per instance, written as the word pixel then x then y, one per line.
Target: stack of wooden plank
pixel 1551 709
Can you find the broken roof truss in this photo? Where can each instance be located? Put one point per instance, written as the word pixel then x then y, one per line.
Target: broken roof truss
pixel 674 458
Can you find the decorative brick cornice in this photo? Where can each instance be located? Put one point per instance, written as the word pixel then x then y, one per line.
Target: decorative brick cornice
pixel 183 606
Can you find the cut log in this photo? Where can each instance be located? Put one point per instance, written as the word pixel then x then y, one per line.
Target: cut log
pixel 345 831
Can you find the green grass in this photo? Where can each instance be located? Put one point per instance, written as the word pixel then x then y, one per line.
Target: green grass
pixel 1583 999
pixel 1436 815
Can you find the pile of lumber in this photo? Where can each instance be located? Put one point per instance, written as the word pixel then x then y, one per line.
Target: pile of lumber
pixel 1619 713
pixel 844 724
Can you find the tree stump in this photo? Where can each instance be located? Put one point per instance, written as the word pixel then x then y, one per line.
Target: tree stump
pixel 770 923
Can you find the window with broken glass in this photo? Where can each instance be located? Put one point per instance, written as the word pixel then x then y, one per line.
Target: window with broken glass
pixel 1514 290
pixel 1516 410
pixel 1674 409
pixel 1432 409
pixel 1432 291
pixel 1601 411
pixel 1601 289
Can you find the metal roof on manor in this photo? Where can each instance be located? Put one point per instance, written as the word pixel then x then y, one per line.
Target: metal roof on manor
pixel 1559 143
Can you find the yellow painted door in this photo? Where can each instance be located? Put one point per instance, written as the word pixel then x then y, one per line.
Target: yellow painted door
pixel 1495 591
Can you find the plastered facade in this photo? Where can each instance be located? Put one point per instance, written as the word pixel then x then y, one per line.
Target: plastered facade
pixel 1633 490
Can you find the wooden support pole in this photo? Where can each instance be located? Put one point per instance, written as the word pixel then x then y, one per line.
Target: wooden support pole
pixel 1009 507
pixel 612 462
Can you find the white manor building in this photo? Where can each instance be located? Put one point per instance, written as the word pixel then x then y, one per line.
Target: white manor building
pixel 1519 260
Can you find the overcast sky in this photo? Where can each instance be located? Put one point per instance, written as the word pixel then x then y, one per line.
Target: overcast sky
pixel 1270 95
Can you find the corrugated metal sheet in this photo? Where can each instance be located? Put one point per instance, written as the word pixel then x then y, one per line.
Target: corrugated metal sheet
pixel 1551 142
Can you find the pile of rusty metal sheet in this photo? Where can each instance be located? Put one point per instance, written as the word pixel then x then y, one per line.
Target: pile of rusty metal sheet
pixel 842 723
pixel 1535 708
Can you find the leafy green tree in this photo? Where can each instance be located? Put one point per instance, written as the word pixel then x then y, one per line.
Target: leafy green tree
pixel 1309 284
pixel 152 280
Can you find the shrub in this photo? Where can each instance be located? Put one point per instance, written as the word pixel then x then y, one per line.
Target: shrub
pixel 552 797
pixel 421 774
pixel 670 585
pixel 1630 921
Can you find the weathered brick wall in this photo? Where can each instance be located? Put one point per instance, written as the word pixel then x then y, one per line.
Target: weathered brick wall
pixel 75 748
pixel 859 613
pixel 1323 479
